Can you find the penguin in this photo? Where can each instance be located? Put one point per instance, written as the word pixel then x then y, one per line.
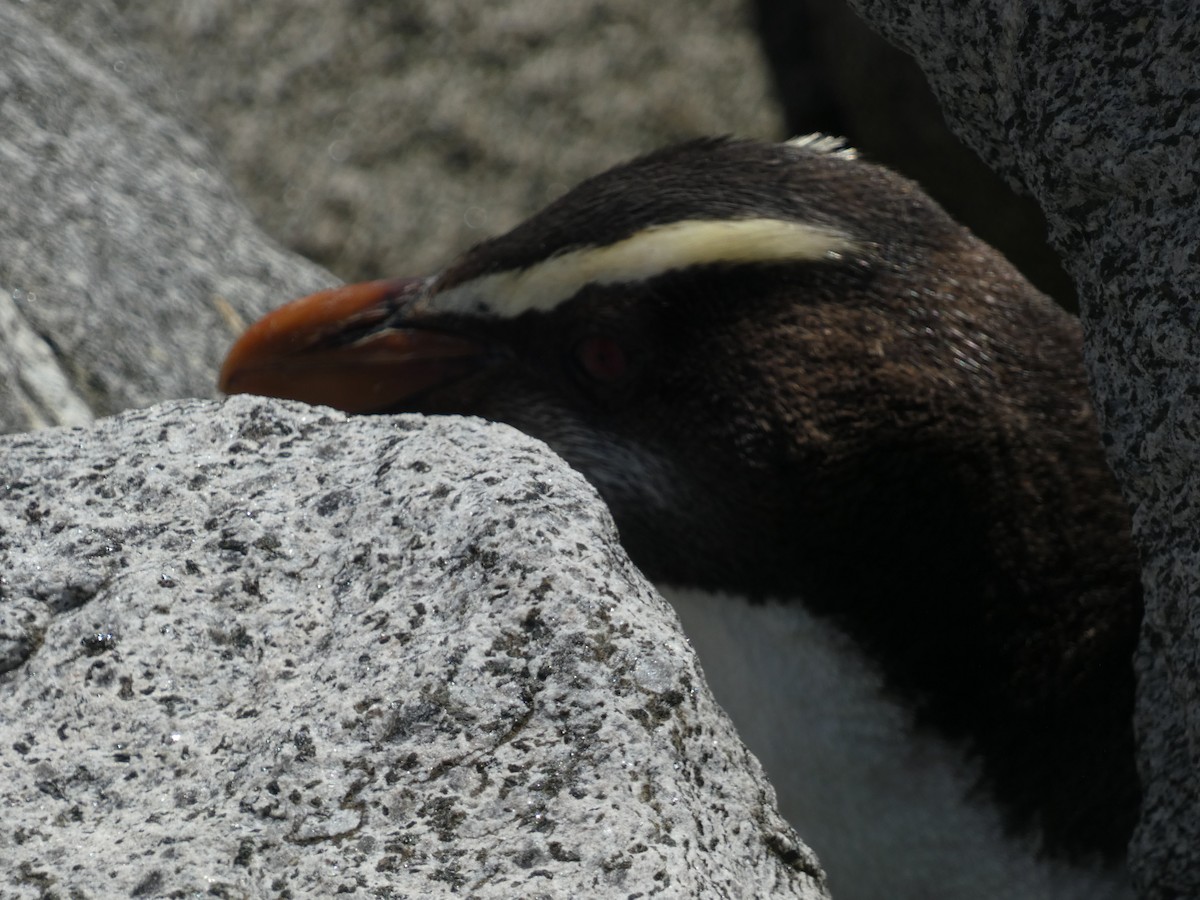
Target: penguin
pixel 856 450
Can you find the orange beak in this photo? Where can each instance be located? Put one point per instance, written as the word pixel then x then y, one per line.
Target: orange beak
pixel 336 348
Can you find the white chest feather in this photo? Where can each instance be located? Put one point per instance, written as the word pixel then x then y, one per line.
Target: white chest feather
pixel 890 813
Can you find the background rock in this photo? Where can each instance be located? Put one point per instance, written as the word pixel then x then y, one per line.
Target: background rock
pixel 1094 108
pixel 379 138
pixel 263 650
pixel 126 263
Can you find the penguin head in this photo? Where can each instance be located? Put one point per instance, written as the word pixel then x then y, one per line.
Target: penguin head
pixel 713 333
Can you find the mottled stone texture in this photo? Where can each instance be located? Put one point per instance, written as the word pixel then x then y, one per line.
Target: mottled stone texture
pixel 380 137
pixel 1095 107
pixel 126 263
pixel 260 650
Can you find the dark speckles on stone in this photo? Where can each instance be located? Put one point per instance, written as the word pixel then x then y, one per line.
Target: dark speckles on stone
pixel 268 543
pixel 662 705
pixel 99 642
pixel 443 816
pixel 11 489
pixel 536 819
pixel 516 751
pixel 262 424
pixel 617 863
pixel 388 864
pixel 485 558
pixel 528 858
pixel 171 703
pixel 149 886
pixel 410 762
pixel 33 513
pixel 231 543
pixel 410 718
pixel 333 501
pixel 306 747
pixel 106 548
pixel 534 625
pixel 366 704
pixel 245 852
pixel 450 873
pixel 235 637
pixel 73 815
pixel 561 854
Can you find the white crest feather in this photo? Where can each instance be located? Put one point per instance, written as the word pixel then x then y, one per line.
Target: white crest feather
pixel 639 257
pixel 829 144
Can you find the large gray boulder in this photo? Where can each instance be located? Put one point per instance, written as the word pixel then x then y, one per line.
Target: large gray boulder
pixel 259 649
pixel 1092 106
pixel 377 138
pixel 126 263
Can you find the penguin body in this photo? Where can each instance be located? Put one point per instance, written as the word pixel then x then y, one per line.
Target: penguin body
pixel 842 752
pixel 803 389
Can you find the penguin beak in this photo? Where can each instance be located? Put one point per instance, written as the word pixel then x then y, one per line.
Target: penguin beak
pixel 358 348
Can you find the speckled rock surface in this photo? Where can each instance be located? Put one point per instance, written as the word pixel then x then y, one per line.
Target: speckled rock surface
pixel 260 650
pixel 1096 108
pixel 381 138
pixel 125 260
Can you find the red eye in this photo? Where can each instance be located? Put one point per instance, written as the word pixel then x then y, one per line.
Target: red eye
pixel 602 358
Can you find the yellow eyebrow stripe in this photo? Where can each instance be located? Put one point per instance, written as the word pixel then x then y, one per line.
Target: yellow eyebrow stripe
pixel 639 257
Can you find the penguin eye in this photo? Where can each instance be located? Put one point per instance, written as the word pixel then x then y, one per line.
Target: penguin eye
pixel 602 359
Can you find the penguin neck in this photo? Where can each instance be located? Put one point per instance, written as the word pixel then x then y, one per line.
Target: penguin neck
pixel 853 775
pixel 1001 610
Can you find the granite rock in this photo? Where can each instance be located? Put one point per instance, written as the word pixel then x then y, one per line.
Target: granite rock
pixel 126 263
pixel 259 649
pixel 380 138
